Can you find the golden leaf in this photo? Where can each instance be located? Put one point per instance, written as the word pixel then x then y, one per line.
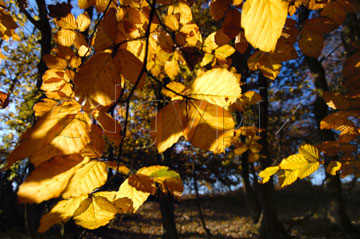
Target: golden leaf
pixel 175 87
pixel 224 52
pixel 61 212
pixel 268 172
pixel 333 167
pixel 99 79
pixel 65 37
pixel 172 68
pixel 4 100
pixel 49 179
pixel 44 106
pixel 287 177
pixel 86 179
pixel 311 43
pixel 263 21
pixel 216 86
pixel 62 131
pixel 68 22
pixel 168 125
pixel 211 120
pixel 263 61
pixel 171 22
pixel 210 43
pixel 83 22
pixel 184 10
pixel 107 31
pixel 136 196
pixel 99 213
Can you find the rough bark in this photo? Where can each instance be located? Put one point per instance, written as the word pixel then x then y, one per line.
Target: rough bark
pixel 271 227
pixel 167 216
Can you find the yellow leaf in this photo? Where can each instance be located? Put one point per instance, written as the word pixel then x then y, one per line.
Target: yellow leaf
pixel 209 126
pixel 268 172
pixel 340 122
pixel 216 86
pixel 333 167
pixel 65 37
pixel 83 21
pixel 44 106
pixel 207 59
pixel 287 177
pixel 175 87
pixel 62 131
pixel 49 179
pixel 224 52
pixel 86 179
pixel 136 196
pixel 99 79
pixel 61 212
pixel 311 43
pixel 84 4
pixel 167 127
pixel 210 43
pixel 67 22
pixel 99 213
pixel 172 68
pixel 263 21
pixel 184 10
pixel 310 152
pixel 171 22
pixel 263 61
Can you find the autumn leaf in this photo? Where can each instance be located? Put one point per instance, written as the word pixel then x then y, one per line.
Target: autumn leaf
pixel 62 131
pixel 263 21
pixel 98 213
pixel 90 176
pixel 4 100
pixel 136 196
pixel 267 173
pixel 217 86
pixel 61 212
pixel 49 179
pixel 333 167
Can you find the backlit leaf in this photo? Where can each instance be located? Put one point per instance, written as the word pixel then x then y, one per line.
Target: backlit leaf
pixel 217 86
pixel 136 196
pixel 50 179
pixel 268 172
pixel 61 212
pixel 89 177
pixel 263 21
pixel 333 167
pixel 99 213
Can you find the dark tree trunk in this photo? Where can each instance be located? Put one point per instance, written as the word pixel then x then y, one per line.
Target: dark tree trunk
pixel 167 216
pixel 251 198
pixel 271 227
pixel 336 205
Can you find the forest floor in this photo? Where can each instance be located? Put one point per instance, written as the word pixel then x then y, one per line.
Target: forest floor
pixel 301 208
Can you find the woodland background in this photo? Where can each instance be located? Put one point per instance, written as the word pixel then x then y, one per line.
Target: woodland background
pixel 223 195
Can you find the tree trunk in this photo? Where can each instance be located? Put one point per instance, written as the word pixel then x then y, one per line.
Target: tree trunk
pixel 167 216
pixel 271 227
pixel 336 205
